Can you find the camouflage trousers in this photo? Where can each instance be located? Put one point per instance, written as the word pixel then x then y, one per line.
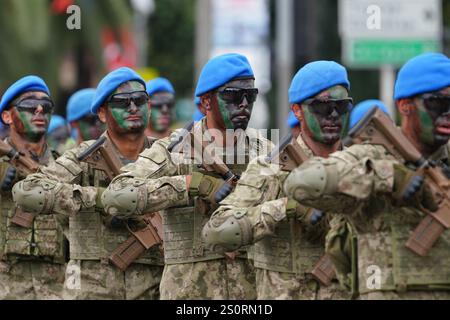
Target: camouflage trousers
pixel 97 280
pixel 31 280
pixel 408 295
pixel 215 279
pixel 273 285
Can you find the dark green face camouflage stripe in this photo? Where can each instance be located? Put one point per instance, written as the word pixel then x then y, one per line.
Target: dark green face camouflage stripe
pixel 311 119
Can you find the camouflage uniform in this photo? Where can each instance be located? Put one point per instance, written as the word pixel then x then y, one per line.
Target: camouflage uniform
pixel 92 236
pixel 386 268
pixel 286 246
pixel 32 261
pixel 191 270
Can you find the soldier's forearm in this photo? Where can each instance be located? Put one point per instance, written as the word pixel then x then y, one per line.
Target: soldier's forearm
pixel 128 196
pixel 46 196
pixel 231 228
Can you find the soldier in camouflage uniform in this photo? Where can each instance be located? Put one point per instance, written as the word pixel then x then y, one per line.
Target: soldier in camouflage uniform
pixel 367 177
pixel 287 245
pixel 32 260
pixel 73 188
pixel 161 180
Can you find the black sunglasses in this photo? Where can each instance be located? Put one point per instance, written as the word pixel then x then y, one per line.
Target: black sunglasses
pixel 326 107
pixel 123 100
pixel 159 103
pixel 435 103
pixel 31 105
pixel 235 95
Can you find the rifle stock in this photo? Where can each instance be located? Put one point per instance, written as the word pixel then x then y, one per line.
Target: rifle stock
pixel 377 128
pixel 102 156
pixel 22 163
pixel 25 166
pixel 289 155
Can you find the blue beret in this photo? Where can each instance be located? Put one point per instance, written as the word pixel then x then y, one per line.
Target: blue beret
pixel 110 83
pixel 25 84
pixel 315 77
pixel 55 122
pixel 79 104
pixel 197 101
pixel 198 115
pixel 427 72
pixel 292 121
pixel 159 85
pixel 222 69
pixel 360 110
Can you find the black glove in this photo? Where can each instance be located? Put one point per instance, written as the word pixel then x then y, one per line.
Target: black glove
pixel 407 183
pixel 7 178
pixel 316 216
pixel 223 192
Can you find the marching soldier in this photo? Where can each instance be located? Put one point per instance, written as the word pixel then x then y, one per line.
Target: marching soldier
pixel 162 100
pixel 71 187
pixel 393 260
pixel 32 252
pixel 169 179
pixel 287 243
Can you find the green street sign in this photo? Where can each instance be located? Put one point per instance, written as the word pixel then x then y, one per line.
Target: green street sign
pixel 374 52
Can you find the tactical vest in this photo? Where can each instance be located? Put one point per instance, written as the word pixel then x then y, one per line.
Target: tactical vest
pixel 45 240
pixel 384 254
pixel 91 235
pixel 183 226
pixel 290 249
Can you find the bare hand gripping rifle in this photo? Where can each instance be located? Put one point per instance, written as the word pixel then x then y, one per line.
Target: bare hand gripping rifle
pixel 102 156
pixel 289 155
pixel 377 128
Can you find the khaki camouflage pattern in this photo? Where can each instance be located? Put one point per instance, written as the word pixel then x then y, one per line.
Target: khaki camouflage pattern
pixel 160 178
pixel 220 279
pixel 285 248
pixel 31 271
pixel 101 281
pixel 273 285
pixel 91 236
pixel 31 280
pixel 365 175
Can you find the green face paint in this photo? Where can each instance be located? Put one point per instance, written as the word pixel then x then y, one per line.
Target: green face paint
pixel 162 104
pixel 128 119
pixel 426 134
pixel 31 123
pixel 327 129
pixel 131 119
pixel 90 128
pixel 225 113
pixel 235 114
pixel 25 124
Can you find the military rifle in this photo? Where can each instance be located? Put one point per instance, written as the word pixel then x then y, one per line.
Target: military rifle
pixel 25 166
pixel 102 156
pixel 377 128
pixel 289 155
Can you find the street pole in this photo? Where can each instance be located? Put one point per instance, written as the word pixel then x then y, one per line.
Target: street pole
pixel 284 59
pixel 202 35
pixel 387 82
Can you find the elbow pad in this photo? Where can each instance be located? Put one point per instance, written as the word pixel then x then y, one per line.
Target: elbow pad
pixel 36 198
pixel 227 235
pixel 125 200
